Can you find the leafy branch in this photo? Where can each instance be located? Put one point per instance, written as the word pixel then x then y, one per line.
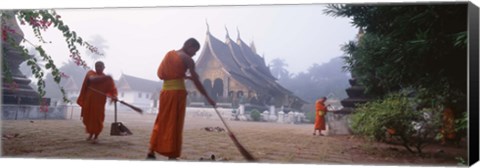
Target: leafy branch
pixel 41 20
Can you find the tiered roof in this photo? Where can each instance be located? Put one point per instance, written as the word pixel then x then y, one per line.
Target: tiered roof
pixel 242 63
pixel 127 82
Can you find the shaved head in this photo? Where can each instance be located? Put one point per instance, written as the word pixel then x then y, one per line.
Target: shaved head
pixel 99 66
pixel 99 63
pixel 191 42
pixel 191 46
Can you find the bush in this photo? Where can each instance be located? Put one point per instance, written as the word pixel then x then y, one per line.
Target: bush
pixel 461 126
pixel 462 123
pixel 255 115
pixel 405 117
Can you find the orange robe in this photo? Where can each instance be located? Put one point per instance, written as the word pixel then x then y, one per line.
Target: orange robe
pixel 93 103
pixel 320 119
pixel 166 138
pixel 448 129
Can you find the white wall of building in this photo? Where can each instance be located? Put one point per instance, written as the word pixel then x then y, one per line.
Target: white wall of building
pixel 139 99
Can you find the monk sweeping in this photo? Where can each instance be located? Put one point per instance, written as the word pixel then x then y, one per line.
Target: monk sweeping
pixel 92 102
pixel 166 137
pixel 320 111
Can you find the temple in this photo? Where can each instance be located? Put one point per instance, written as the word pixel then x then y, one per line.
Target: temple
pixel 232 73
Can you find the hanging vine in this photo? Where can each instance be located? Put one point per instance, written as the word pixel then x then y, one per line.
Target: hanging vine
pixel 40 20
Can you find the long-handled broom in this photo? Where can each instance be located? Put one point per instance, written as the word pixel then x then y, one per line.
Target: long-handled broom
pixel 239 146
pixel 139 110
pixel 118 128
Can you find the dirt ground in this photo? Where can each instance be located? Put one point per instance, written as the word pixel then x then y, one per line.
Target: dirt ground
pixel 268 142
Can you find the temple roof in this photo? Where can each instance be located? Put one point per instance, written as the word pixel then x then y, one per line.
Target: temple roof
pixel 224 55
pixel 242 63
pixel 127 82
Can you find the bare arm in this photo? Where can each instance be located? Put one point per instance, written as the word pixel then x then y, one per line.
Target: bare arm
pixel 195 79
pixel 112 92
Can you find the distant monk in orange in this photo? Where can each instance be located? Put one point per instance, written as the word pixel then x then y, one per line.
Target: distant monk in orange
pixel 92 102
pixel 166 138
pixel 448 128
pixel 320 111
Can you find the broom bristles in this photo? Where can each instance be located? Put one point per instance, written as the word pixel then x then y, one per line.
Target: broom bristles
pixel 242 149
pixel 239 146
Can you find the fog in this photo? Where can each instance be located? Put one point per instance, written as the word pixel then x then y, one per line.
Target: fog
pixel 137 39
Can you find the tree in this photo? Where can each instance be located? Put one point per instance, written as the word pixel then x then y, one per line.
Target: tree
pixel 420 46
pixel 278 69
pixel 330 77
pixel 98 42
pixel 38 20
pixel 319 80
pixel 71 70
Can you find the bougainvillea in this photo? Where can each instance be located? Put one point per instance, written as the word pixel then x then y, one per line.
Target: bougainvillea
pixel 41 20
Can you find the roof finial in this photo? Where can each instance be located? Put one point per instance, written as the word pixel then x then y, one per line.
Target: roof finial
pixel 208 27
pixel 227 31
pixel 238 33
pixel 252 46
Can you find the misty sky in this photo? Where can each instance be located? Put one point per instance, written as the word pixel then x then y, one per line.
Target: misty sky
pixel 138 38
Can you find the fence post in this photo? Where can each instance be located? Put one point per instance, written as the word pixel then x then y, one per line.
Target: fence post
pixel 71 112
pixel 18 107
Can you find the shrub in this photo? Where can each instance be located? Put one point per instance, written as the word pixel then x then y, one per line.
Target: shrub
pixel 461 126
pixel 255 115
pixel 462 123
pixel 407 118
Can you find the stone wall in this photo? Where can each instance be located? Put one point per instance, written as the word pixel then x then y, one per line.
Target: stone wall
pixel 209 113
pixel 32 112
pixel 337 123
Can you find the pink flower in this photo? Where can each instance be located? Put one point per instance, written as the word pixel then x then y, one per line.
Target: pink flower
pixel 13 85
pixel 63 75
pixel 77 59
pixel 4 35
pixel 5 31
pixel 43 106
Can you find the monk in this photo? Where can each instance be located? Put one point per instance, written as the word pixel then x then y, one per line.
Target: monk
pixel 92 102
pixel 320 111
pixel 166 137
pixel 448 128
